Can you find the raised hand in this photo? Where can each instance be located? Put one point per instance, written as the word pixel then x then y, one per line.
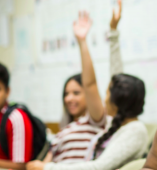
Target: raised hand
pixel 81 26
pixel 116 17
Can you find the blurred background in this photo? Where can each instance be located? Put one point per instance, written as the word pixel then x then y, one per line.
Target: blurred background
pixel 38 46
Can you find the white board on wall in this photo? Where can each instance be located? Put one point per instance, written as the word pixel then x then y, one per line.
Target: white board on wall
pixel 40 86
pixel 56 42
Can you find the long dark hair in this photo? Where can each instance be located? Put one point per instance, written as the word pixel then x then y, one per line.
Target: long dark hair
pixel 4 75
pixel 127 93
pixel 78 79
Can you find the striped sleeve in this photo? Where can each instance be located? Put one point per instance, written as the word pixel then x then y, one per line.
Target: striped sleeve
pixel 100 124
pixel 20 137
pixel 70 145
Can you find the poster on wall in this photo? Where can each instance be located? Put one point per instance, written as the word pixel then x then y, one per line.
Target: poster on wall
pixel 56 42
pixel 54 32
pixel 23 41
pixel 6 7
pixel 4 31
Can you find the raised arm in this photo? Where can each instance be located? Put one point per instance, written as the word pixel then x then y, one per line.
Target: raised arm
pixel 116 64
pixel 81 28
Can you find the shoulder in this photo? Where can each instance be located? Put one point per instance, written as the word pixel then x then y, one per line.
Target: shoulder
pixel 133 135
pixel 19 118
pixel 134 129
pixel 17 114
pixel 136 126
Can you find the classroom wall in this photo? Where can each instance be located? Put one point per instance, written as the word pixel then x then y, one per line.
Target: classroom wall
pixel 40 82
pixel 7 54
pixel 21 8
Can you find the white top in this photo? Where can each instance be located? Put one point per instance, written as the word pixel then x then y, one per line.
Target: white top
pixel 127 144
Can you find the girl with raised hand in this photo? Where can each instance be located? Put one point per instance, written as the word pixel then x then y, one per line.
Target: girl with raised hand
pixel 70 145
pixel 126 138
pixel 73 94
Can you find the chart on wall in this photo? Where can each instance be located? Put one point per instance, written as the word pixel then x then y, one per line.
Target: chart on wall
pixel 23 41
pixel 56 42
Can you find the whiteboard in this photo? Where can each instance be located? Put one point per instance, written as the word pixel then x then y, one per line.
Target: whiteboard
pixel 56 42
pixel 40 82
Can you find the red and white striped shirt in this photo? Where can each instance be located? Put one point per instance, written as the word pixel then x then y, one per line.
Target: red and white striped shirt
pixel 19 133
pixel 71 144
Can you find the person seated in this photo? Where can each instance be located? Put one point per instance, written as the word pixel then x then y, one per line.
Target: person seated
pixel 19 130
pixel 123 140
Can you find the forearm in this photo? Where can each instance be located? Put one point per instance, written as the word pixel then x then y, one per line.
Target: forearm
pixel 48 157
pixel 151 161
pixel 116 64
pixel 88 74
pixel 94 103
pixel 5 164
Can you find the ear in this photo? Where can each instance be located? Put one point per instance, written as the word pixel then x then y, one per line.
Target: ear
pixel 8 91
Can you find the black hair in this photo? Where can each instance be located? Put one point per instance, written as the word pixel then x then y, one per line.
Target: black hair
pixel 4 75
pixel 128 94
pixel 78 79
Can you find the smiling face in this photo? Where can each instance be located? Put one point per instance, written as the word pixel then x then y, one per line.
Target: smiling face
pixel 74 99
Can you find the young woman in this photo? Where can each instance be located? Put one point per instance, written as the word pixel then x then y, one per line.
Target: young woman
pixel 73 100
pixel 126 138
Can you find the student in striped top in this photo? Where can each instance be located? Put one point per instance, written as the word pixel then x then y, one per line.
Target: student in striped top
pixel 126 138
pixel 70 145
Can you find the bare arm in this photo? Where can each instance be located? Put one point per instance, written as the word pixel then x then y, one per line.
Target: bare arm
pixel 94 103
pixel 11 165
pixel 151 162
pixel 48 157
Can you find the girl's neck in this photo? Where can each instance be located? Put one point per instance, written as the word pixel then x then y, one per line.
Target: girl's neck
pixel 128 120
pixel 75 118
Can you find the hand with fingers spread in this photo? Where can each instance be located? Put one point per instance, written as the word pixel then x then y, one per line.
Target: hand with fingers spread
pixel 116 17
pixel 81 26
